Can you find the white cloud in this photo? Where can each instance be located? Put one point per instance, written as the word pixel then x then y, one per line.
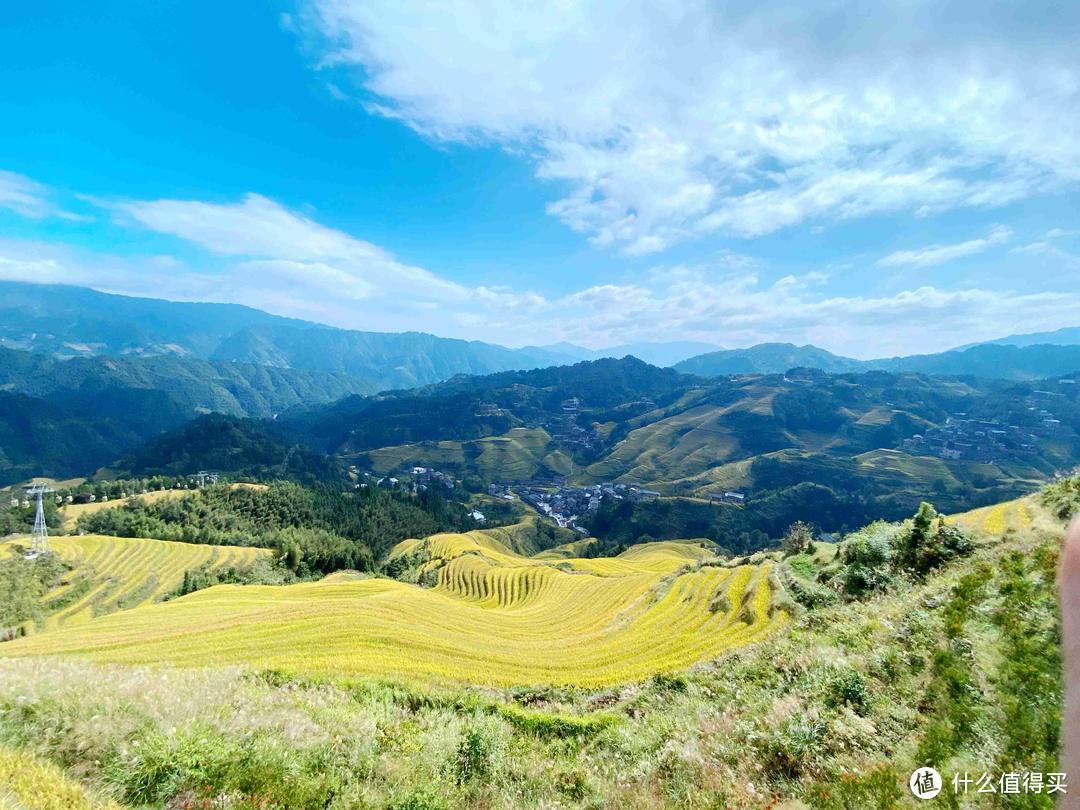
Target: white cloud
pixel 726 302
pixel 1046 251
pixel 29 198
pixel 939 254
pixel 286 244
pixel 262 254
pixel 740 310
pixel 666 121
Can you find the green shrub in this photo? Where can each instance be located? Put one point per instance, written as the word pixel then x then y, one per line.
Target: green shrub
pixel 798 539
pixel 868 561
pixel 789 749
pixel 929 543
pixel 848 687
pixel 1063 497
pixel 474 755
pixel 670 682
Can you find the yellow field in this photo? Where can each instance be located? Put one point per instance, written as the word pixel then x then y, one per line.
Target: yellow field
pixel 494 617
pixel 111 573
pixel 28 783
pixel 73 511
pixel 997 518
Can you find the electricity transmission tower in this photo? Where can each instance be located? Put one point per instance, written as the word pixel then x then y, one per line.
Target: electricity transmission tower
pixel 40 536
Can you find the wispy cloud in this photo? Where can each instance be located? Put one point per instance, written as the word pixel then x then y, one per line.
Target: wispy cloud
pixel 274 240
pixel 672 121
pixel 939 254
pixel 259 252
pixel 30 199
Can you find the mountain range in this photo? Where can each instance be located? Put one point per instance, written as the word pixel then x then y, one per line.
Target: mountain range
pixel 68 322
pixel 72 322
pixel 87 376
pixel 1008 361
pixel 829 445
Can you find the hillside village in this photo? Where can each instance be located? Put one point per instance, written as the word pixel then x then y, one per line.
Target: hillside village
pixel 962 438
pixel 566 505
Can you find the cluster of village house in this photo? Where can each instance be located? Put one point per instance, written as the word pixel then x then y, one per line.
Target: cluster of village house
pixel 565 430
pixel 422 478
pixel 566 505
pixel 963 438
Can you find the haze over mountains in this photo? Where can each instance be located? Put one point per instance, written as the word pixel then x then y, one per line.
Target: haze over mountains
pixel 76 322
pixel 70 322
pixel 1029 361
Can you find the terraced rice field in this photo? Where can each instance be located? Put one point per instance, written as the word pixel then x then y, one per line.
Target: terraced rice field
pixel 517 454
pixel 28 783
pixel 996 519
pixel 111 573
pixel 70 513
pixel 492 617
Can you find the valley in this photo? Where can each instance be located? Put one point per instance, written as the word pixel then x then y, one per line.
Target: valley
pixel 509 583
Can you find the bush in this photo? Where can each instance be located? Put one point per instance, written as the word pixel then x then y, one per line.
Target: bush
pixel 22 584
pixel 848 687
pixel 474 755
pixel 798 539
pixel 1063 497
pixel 929 543
pixel 555 725
pixel 792 748
pixel 868 560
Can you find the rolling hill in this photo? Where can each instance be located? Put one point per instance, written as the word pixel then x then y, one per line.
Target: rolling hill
pixel 873 676
pixel 682 435
pixel 835 448
pixel 109 574
pixel 766 358
pixel 69 417
pixel 493 617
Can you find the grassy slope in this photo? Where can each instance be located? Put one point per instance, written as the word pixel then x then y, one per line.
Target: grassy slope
pixel 73 511
pixel 494 617
pixel 111 573
pixel 516 455
pixel 834 713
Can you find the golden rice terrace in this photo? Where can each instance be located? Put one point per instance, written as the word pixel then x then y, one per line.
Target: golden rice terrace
pixel 489 616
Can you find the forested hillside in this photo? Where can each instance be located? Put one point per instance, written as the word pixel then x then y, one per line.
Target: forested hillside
pixel 845 447
pixel 69 417
pixel 67 322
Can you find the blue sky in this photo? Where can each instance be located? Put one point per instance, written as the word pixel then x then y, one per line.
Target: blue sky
pixel 594 172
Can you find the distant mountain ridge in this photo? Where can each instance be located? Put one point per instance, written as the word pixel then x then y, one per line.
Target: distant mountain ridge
pixel 74 322
pixel 1069 336
pixel 66 321
pixel 197 386
pixel 62 416
pixel 827 445
pixel 990 360
pixel 766 358
pixel 656 353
